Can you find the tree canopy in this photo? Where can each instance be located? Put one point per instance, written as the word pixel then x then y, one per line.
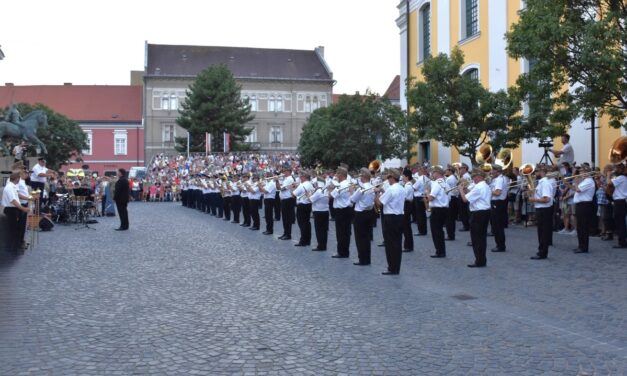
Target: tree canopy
pixel 581 44
pixel 346 132
pixel 214 105
pixel 62 138
pixel 458 111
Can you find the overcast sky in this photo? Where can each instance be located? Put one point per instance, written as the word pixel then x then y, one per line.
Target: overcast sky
pixel 99 42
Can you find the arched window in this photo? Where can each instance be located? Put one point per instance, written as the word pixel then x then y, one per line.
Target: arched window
pixel 424 32
pixel 472 73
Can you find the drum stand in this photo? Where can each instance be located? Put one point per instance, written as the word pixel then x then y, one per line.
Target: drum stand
pixel 82 214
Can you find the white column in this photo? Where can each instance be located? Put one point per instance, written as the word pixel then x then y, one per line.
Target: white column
pixel 497 55
pixel 444 26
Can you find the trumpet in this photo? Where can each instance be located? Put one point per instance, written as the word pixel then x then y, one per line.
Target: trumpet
pixel 463 183
pixel 372 188
pixel 584 175
pixel 307 193
pixel 347 187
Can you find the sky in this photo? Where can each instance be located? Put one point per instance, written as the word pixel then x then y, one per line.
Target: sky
pixel 89 42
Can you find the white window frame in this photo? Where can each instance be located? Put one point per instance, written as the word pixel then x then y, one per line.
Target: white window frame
pixel 276 141
pixel 120 135
pixel 471 67
pixel 252 137
pixel 89 135
pixel 420 33
pixel 168 99
pixel 462 21
pixel 166 130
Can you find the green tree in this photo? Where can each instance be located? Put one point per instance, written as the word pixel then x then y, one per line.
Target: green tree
pixel 459 112
pixel 576 43
pixel 62 137
pixel 346 132
pixel 214 105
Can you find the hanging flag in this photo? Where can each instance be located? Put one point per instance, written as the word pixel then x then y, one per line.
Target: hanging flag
pixel 207 143
pixel 227 142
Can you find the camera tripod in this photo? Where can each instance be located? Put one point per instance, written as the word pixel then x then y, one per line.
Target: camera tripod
pixel 546 158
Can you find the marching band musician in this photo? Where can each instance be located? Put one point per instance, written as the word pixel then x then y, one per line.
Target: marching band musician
pixel 225 192
pixel 498 214
pixel 287 203
pixel 320 206
pixel 363 198
pixel 453 197
pixel 408 236
pixel 254 199
pixel 12 209
pixel 542 197
pixel 245 200
pixel 478 199
pixel 619 195
pixel 438 202
pixel 464 212
pixel 303 209
pixel 205 204
pixel 393 202
pixel 343 213
pixel 584 208
pixel 420 208
pixel 236 198
pixel 268 188
pixel 218 201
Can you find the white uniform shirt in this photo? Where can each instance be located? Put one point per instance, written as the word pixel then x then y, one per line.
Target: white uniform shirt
pixel 299 192
pixel 234 190
pixel 420 185
pixel 270 188
pixel 286 191
pixel 393 200
pixel 451 182
pixel 255 194
pixel 9 194
pixel 568 155
pixel 38 169
pixel 320 199
pixel 544 189
pixel 341 196
pixel 22 189
pixel 363 201
pixel 587 188
pixel 498 183
pixel 409 191
pixel 479 196
pixel 620 187
pixel 440 198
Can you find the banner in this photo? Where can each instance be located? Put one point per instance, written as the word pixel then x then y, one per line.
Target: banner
pixel 207 143
pixel 227 142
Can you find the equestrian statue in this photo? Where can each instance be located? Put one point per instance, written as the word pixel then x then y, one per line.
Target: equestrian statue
pixel 14 126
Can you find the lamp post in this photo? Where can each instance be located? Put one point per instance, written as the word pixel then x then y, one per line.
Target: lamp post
pixel 379 141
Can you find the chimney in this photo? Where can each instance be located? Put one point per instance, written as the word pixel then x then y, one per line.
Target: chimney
pixel 8 84
pixel 67 84
pixel 320 51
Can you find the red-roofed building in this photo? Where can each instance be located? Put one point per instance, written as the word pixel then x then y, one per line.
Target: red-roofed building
pixel 393 93
pixel 110 116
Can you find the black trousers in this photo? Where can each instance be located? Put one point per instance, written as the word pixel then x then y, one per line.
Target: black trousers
pixel 584 211
pixel 363 226
pixel 123 213
pixel 254 212
pixel 437 221
pixel 392 238
pixel 451 217
pixel 219 203
pixel 343 219
pixel 227 207
pixel 268 214
pixel 246 210
pixel 619 221
pixel 478 222
pixel 464 214
pixel 408 235
pixel 13 240
pixel 321 225
pixel 421 214
pixel 303 217
pixel 206 203
pixel 277 206
pixel 497 221
pixel 236 207
pixel 544 219
pixel 331 208
pixel 41 186
pixel 287 213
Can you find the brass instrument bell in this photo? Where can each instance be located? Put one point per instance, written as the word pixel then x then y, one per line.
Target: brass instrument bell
pixel 618 151
pixel 484 154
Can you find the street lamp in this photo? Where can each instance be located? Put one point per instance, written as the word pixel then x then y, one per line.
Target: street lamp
pixel 379 141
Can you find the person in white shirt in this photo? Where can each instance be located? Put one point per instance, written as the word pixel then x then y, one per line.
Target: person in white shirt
pixel 408 236
pixel 453 204
pixel 245 200
pixel 542 197
pixel 619 182
pixel 363 198
pixel 254 200
pixel 268 188
pixel 478 199
pixel 420 209
pixel 393 202
pixel 24 196
pixel 320 206
pixel 567 154
pixel 464 211
pixel 498 214
pixel 584 208
pixel 236 198
pixel 12 209
pixel 343 213
pixel 303 209
pixel 287 202
pixel 438 202
pixel 39 176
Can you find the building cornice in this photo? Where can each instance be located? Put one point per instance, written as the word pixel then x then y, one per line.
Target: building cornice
pixel 247 78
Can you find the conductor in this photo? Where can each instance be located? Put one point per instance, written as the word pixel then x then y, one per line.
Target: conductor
pixel 120 197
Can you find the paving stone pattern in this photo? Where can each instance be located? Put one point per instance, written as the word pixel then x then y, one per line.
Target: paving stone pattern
pixel 184 293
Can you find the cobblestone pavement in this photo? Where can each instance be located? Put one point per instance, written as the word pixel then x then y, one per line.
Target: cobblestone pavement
pixel 185 293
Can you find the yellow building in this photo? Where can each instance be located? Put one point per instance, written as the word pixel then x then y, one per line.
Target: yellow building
pixel 478 28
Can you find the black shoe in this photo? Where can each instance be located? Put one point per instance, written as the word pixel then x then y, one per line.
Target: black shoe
pixel 301 245
pixel 286 238
pixel 381 245
pixel 476 265
pixel 389 273
pixel 619 246
pixel 447 239
pixel 254 228
pixel 497 250
pixel 408 250
pixel 339 256
pixel 318 249
pixel 361 263
pixel 267 232
pixel 579 251
pixel 537 257
pixel 464 230
pixel 226 219
pixel 437 256
pixel 234 222
pixel 425 234
pixel 121 229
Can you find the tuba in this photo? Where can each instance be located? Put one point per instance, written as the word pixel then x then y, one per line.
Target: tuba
pixel 527 171
pixel 484 154
pixel 618 151
pixel 504 159
pixel 375 166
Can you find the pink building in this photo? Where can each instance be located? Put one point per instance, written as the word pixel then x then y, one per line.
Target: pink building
pixel 110 116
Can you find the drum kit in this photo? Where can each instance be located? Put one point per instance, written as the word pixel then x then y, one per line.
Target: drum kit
pixel 71 209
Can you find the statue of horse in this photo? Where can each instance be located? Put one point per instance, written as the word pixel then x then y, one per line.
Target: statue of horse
pixel 25 130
